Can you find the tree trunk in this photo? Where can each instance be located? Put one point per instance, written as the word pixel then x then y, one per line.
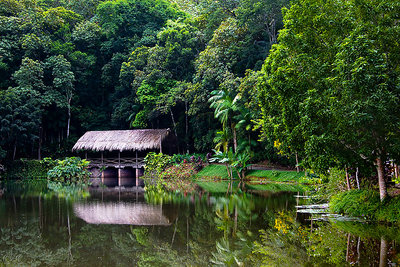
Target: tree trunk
pixel 383 254
pixel 227 169
pixel 297 163
pixel 69 119
pixel 381 178
pixel 40 143
pixel 234 138
pixel 357 180
pixel 15 150
pixel 173 122
pixel 348 180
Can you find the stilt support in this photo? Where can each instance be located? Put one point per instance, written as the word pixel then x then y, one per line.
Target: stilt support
pixel 119 177
pixel 137 177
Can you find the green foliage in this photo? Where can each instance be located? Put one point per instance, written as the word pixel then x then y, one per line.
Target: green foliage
pixel 185 158
pixel 331 183
pixel 329 87
pixel 184 171
pixel 213 171
pixel 26 169
pixel 366 203
pixel 275 175
pixel 156 162
pixel 70 171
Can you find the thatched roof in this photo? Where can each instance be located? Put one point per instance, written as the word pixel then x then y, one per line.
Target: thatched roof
pixel 121 213
pixel 121 140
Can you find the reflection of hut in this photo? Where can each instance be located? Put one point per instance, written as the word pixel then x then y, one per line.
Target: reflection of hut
pixel 121 152
pixel 121 213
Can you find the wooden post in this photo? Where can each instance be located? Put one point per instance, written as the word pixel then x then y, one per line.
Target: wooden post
pixel 160 145
pixel 137 171
pixel 101 157
pixel 85 154
pixel 119 158
pixel 119 177
pixel 119 168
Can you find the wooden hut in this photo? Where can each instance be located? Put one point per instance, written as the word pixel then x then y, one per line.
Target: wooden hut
pixel 122 150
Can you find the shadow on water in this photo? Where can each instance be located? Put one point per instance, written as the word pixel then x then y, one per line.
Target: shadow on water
pixel 162 228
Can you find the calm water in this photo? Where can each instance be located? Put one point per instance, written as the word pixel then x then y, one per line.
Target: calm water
pixel 165 229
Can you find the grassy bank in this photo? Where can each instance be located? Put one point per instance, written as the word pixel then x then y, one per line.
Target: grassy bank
pixel 222 187
pixel 214 171
pixel 275 175
pixel 367 204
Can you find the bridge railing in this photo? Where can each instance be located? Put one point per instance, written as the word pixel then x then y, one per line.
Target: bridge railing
pixel 117 162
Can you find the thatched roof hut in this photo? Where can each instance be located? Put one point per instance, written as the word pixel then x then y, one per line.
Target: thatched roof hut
pixel 122 140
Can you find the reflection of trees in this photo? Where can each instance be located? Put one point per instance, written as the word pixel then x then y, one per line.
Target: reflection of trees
pixel 24 244
pixel 283 243
pixel 234 215
pixel 205 230
pixel 286 243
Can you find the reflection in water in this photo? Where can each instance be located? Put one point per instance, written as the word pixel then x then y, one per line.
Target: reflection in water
pixel 172 229
pixel 121 213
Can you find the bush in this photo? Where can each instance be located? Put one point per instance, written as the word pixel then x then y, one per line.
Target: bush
pixel 366 203
pixel 156 163
pixel 183 171
pixel 26 169
pixel 193 158
pixel 332 183
pixel 360 203
pixel 71 170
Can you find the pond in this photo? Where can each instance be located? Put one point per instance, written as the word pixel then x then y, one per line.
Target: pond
pixel 124 228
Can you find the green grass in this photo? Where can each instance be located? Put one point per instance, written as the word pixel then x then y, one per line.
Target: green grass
pixel 219 171
pixel 276 175
pixel 214 170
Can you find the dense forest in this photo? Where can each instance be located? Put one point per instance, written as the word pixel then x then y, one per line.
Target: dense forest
pixel 71 66
pixel 313 82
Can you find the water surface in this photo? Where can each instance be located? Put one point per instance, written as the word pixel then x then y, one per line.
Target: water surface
pixel 170 229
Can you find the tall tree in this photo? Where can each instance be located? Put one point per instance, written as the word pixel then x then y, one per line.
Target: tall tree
pixel 330 81
pixel 63 79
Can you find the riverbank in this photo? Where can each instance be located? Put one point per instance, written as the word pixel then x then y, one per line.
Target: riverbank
pixel 218 172
pixel 366 204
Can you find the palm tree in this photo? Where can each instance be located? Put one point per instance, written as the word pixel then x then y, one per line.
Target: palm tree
pixel 225 103
pixel 222 139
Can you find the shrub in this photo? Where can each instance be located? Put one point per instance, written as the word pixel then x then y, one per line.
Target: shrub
pixel 26 169
pixel 366 203
pixel 332 183
pixel 71 170
pixel 358 203
pixel 183 171
pixel 156 163
pixel 197 159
